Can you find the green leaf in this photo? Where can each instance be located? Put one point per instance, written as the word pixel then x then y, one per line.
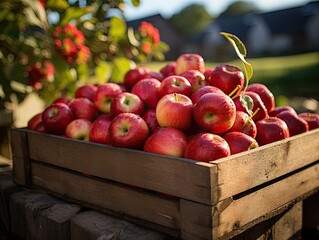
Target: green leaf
pixel 241 53
pixel 120 66
pixel 57 4
pixel 135 3
pixel 103 72
pixel 35 14
pixel 247 102
pixel 82 71
pixel 117 27
pixel 131 37
pixel 74 13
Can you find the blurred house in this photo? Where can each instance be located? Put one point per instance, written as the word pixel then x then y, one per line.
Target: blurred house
pixel 168 33
pixel 286 31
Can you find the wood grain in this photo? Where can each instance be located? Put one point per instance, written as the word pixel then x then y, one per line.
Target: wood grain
pixel 20 156
pixel 234 214
pixel 108 195
pixel 175 176
pixel 246 170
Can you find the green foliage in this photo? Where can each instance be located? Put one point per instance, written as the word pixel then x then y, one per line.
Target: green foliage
pixel 96 49
pixel 191 20
pixel 239 8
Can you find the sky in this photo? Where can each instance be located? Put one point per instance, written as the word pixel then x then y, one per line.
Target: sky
pixel 168 7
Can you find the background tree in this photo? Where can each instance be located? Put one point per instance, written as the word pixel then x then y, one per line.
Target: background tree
pixel 191 20
pixel 239 8
pixel 52 47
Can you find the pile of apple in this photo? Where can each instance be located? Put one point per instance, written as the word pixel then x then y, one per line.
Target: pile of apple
pixel 183 110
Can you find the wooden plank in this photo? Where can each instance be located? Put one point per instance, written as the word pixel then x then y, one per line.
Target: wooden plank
pixel 39 216
pixel 235 213
pixel 175 176
pixel 196 221
pixel 92 225
pixel 246 170
pixel 101 194
pixel 20 157
pixel 285 225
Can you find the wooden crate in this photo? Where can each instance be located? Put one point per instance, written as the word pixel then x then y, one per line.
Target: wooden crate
pixel 212 200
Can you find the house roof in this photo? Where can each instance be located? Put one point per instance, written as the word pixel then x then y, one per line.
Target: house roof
pixel 290 20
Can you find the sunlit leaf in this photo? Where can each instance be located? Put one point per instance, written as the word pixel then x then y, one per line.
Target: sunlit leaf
pixel 35 14
pixel 132 38
pixel 117 27
pixel 241 53
pixel 247 102
pixel 103 72
pixel 82 71
pixel 74 13
pixel 57 4
pixel 135 3
pixel 120 66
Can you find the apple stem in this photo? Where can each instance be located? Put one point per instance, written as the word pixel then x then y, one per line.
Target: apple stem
pixel 256 111
pixel 176 97
pixel 233 92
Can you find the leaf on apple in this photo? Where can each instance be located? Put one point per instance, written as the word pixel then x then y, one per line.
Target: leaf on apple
pixel 247 102
pixel 241 53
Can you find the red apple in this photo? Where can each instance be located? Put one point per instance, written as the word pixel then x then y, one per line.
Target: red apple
pixel 189 61
pixel 78 129
pixel 128 130
pixel 152 74
pixel 280 109
pixel 270 130
pixel 35 123
pixel 206 147
pixel 127 102
pixel 311 118
pixel 240 142
pixel 150 118
pixel 56 117
pixel 208 74
pixel 264 93
pixel 132 76
pixel 105 95
pixel 148 91
pixel 296 124
pixel 227 77
pixel 174 110
pixel 195 77
pixel 257 104
pixel 203 90
pixel 86 91
pixel 99 129
pixel 62 99
pixel 167 141
pixel 168 69
pixel 175 84
pixel 245 124
pixel 83 108
pixel 215 112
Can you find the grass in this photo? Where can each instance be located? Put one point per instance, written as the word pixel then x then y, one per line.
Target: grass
pixel 296 75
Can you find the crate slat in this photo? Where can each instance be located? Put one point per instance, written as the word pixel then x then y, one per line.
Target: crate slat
pixel 234 214
pixel 20 155
pixel 107 195
pixel 176 176
pixel 246 170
